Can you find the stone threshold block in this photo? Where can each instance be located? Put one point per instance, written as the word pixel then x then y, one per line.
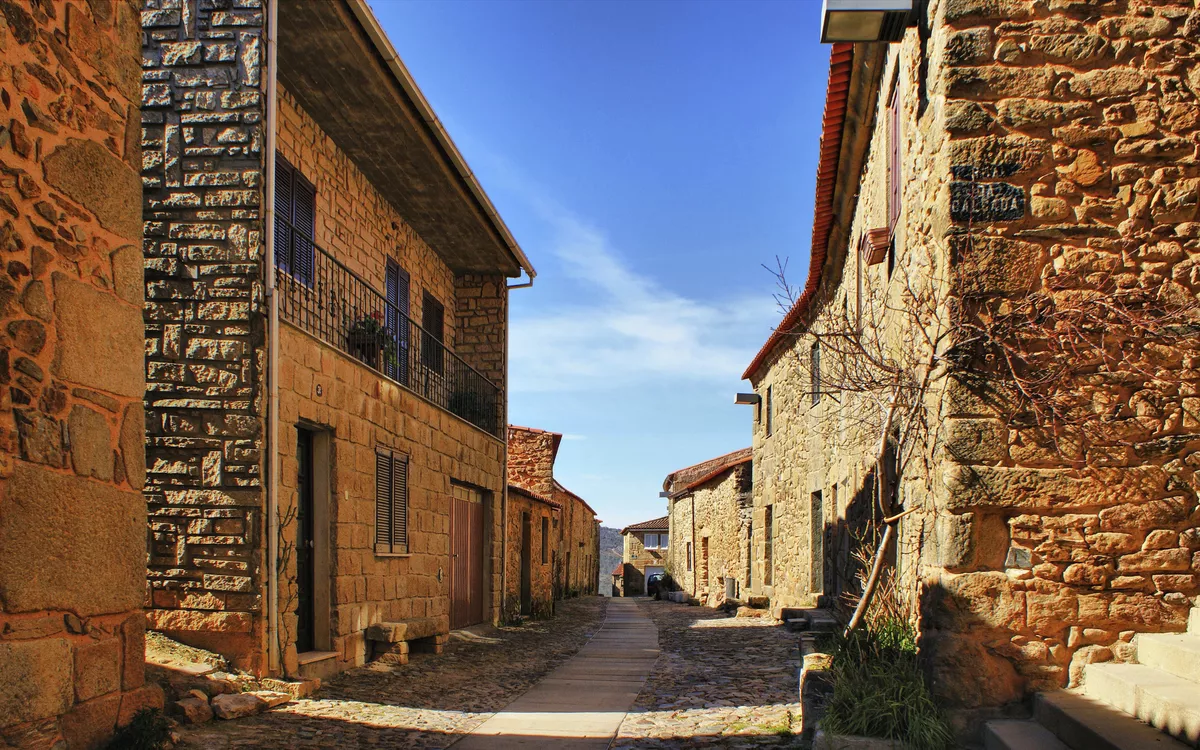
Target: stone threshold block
pixel 391 641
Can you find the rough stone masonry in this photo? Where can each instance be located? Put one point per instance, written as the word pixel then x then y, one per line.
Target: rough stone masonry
pixel 72 466
pixel 202 168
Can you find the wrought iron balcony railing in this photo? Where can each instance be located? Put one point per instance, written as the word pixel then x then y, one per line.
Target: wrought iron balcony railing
pixel 336 305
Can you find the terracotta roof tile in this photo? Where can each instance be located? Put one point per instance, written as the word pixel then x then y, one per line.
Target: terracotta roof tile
pixel 680 479
pixel 534 496
pixel 656 524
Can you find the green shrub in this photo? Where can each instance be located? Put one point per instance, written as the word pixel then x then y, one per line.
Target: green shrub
pixel 879 690
pixel 148 730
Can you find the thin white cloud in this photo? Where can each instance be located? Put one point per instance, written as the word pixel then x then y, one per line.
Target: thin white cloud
pixel 627 328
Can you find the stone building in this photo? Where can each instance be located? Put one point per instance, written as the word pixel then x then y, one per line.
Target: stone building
pixel 553 544
pixel 326 323
pixel 709 507
pixel 1004 152
pixel 72 462
pixel 646 546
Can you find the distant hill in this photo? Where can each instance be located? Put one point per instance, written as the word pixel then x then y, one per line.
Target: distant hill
pixel 612 550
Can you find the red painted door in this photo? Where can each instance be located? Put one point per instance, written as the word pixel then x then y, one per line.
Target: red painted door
pixel 466 557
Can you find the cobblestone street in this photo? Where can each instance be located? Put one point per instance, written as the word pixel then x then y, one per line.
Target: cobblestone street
pixel 429 703
pixel 720 682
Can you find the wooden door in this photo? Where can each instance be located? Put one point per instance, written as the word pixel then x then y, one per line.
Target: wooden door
pixel 526 565
pixel 305 573
pixel 466 557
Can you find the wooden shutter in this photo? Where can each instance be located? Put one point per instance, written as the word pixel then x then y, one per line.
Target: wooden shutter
pixel 284 178
pixel 383 501
pixel 433 321
pixel 399 503
pixel 304 219
pixel 433 317
pixel 894 173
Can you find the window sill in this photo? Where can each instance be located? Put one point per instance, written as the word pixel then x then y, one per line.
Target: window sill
pixel 393 554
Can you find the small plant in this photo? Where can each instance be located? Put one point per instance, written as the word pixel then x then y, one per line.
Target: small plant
pixel 371 340
pixel 148 730
pixel 879 690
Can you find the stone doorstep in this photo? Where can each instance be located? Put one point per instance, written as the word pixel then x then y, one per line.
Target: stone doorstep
pixel 1084 723
pixel 1161 699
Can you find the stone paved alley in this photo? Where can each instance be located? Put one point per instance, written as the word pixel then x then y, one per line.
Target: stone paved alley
pixel 718 682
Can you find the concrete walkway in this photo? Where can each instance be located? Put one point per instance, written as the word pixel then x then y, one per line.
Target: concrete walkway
pixel 582 703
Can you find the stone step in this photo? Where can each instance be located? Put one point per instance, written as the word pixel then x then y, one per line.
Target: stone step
pixel 1084 723
pixel 1177 653
pixel 1194 621
pixel 1019 735
pixel 1163 700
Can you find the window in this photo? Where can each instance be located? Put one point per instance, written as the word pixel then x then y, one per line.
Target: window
pixel 391 502
pixel 295 222
pixel 545 539
pixel 689 556
pixel 894 166
pixel 433 321
pixel 770 412
pixel 816 545
pixel 655 541
pixel 816 373
pixel 769 530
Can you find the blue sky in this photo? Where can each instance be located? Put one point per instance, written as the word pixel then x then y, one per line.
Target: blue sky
pixel 649 156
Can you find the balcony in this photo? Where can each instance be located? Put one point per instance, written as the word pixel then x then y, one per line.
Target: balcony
pixel 337 306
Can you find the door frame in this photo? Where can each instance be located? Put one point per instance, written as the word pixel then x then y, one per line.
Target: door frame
pixel 322 445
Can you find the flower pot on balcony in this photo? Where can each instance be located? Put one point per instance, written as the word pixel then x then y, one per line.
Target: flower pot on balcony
pixel 366 347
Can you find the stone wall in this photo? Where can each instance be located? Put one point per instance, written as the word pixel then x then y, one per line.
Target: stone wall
pixel 1036 143
pixel 481 322
pixel 713 516
pixel 1090 115
pixel 541 573
pixel 579 549
pixel 531 455
pixel 202 170
pixel 72 459
pixel 328 391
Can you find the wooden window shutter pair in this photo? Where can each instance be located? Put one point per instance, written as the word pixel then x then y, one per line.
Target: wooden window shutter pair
pixel 391 502
pixel 295 221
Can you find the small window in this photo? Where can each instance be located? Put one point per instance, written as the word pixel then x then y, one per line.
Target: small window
pixel 545 539
pixel 816 372
pixel 295 222
pixel 689 556
pixel 662 541
pixel 391 502
pixel 433 321
pixel 650 541
pixel 895 175
pixel 768 551
pixel 770 412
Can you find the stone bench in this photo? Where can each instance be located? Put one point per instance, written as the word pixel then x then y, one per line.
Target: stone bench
pixel 391 642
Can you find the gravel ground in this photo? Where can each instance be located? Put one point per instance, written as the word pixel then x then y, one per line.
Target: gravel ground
pixel 720 682
pixel 428 703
